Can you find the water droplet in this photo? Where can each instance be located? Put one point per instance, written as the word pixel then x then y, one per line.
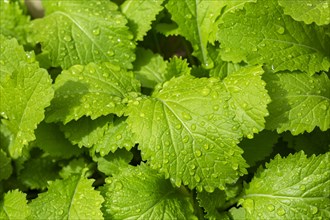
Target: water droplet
pixel 324 107
pixel 234 128
pixel 188 16
pixel 302 187
pixel 67 38
pixel 281 211
pixel 198 153
pixel 110 53
pixel 192 166
pixel 216 107
pixel 309 4
pixel 158 147
pixel 186 116
pixel 271 208
pixel 205 91
pixel 142 115
pixel 314 210
pixel 254 49
pixel 118 137
pixel 280 30
pixel 185 139
pixel 262 45
pixel 96 31
pixel 138 210
pixel 206 146
pixel 193 127
pixel 234 166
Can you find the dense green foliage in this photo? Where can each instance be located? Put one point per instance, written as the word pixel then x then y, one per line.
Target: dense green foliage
pixel 165 109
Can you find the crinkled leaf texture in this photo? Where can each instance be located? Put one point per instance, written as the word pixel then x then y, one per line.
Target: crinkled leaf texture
pixel 300 102
pixel 72 198
pixel 142 193
pixel 14 206
pixel 307 11
pixel 189 127
pixel 80 32
pixel 140 14
pixel 295 187
pixel 24 95
pixel 92 90
pixel 261 33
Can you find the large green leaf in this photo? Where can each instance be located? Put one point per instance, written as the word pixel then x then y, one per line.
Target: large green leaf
pixel 308 11
pixel 92 90
pixel 300 102
pixel 23 97
pixel 141 193
pixel 261 33
pixel 140 14
pixel 71 198
pixel 189 128
pixel 295 187
pixel 80 32
pixel 14 206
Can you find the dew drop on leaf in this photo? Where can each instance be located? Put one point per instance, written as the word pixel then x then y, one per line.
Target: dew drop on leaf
pixel 281 211
pixel 205 91
pixel 67 38
pixel 198 153
pixel 280 30
pixel 302 187
pixel 96 31
pixel 178 126
pixel 186 116
pixel 271 208
pixel 193 127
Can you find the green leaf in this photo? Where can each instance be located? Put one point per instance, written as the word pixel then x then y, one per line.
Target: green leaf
pixel 51 140
pixel 196 22
pixel 308 11
pixel 5 165
pixel 14 206
pixel 24 95
pixel 38 171
pixel 141 193
pixel 140 14
pixel 92 90
pixel 72 198
pixel 259 147
pixel 295 187
pixel 86 132
pixel 13 21
pixel 117 136
pixel 300 102
pixel 75 167
pixel 80 32
pixel 11 55
pixel 177 67
pixel 114 163
pixel 211 202
pixel 262 34
pixel 186 129
pixel 221 68
pixel 248 100
pixel 149 68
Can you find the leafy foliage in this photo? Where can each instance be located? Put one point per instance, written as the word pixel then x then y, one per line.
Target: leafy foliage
pixel 68 198
pixel 84 27
pixel 156 196
pixel 299 188
pixel 138 109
